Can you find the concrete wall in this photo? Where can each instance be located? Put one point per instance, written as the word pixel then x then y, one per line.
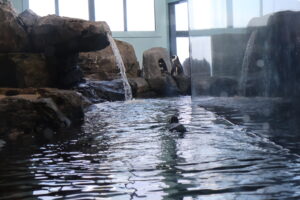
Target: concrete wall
pixel 146 40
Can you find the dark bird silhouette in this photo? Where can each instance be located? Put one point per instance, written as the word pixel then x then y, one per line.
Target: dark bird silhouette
pixel 175 126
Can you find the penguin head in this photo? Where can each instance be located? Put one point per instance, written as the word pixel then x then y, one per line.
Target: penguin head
pixel 174 119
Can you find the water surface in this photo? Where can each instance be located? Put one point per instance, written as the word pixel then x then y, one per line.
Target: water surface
pixel 123 151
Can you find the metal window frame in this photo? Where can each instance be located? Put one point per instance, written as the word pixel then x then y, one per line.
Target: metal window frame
pixel 173 34
pixel 92 11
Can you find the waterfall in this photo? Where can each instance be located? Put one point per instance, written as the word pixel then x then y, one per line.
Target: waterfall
pixel 121 66
pixel 246 63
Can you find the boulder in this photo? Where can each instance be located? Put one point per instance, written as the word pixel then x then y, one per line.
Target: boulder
pixel 36 111
pixel 66 70
pixel 14 38
pixel 24 70
pixel 164 85
pixel 29 19
pixel 61 35
pixel 101 65
pixel 270 66
pixel 37 70
pixel 72 104
pixel 139 86
pixel 142 84
pixel 100 91
pixel 183 83
pixel 29 115
pixel 155 62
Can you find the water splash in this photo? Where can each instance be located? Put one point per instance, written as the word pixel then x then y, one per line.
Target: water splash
pixel 121 66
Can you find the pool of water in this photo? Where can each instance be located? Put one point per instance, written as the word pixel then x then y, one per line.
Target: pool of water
pixel 234 149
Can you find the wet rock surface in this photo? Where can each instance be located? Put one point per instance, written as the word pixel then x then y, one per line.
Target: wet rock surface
pixel 100 91
pixel 33 111
pixel 29 116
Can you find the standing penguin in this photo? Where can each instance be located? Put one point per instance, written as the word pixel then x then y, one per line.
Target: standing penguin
pixel 177 68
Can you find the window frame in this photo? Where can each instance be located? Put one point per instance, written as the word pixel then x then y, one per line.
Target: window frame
pixel 92 17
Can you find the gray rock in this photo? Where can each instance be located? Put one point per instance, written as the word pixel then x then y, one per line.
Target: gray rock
pixel 151 62
pixel 271 62
pixel 164 85
pixel 101 65
pixel 28 18
pixel 28 114
pixel 183 83
pixel 99 91
pixel 139 86
pixel 61 35
pixel 24 70
pixel 37 70
pixel 14 38
pixel 72 104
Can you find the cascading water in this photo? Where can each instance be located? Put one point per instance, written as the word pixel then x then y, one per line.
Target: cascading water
pixel 246 63
pixel 121 66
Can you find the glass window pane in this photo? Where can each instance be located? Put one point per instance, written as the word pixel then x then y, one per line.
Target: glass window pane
pixel 140 15
pixel 244 11
pixel 207 14
pixel 270 6
pixel 112 12
pixel 182 44
pixel 181 14
pixel 42 8
pixel 74 8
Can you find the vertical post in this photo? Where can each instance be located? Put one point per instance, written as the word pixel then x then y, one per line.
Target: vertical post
pixel 25 5
pixel 229 9
pixel 261 8
pixel 92 10
pixel 125 14
pixel 56 7
pixel 172 29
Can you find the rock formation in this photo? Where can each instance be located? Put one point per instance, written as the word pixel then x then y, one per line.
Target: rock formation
pixel 14 38
pixel 272 68
pixel 39 52
pixel 101 65
pixel 34 111
pixel 43 51
pixel 157 67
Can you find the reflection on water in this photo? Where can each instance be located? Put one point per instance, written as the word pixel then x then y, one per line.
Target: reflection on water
pixel 231 151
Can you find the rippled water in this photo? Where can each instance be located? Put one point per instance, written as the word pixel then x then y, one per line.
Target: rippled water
pixel 124 152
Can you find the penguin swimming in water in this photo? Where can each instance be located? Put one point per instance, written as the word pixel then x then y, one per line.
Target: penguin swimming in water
pixel 174 125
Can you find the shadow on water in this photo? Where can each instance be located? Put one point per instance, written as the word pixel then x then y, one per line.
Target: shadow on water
pixel 235 148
